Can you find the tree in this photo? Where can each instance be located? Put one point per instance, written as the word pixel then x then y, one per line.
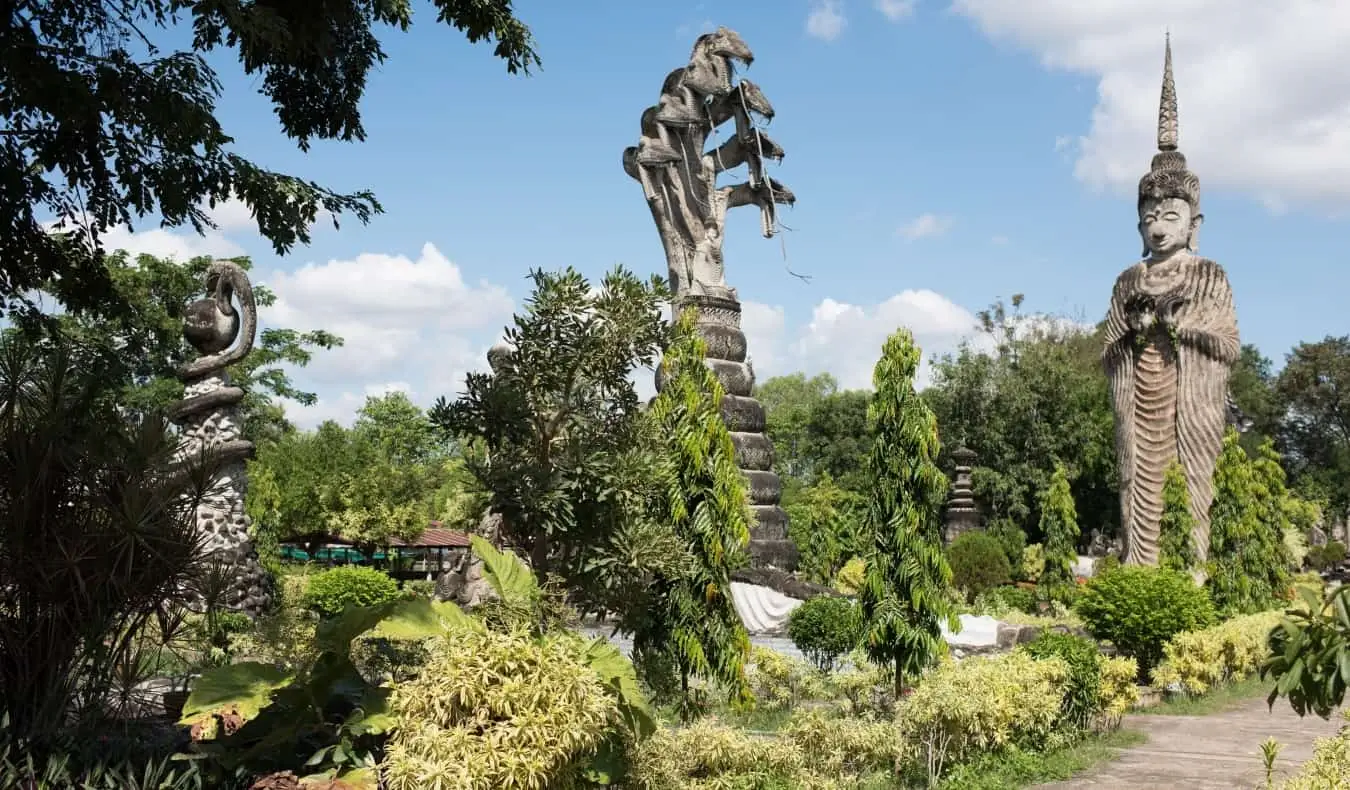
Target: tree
pixel 143 346
pixel 825 524
pixel 557 435
pixel 1039 394
pixel 787 402
pixel 1253 386
pixel 1059 525
pixel 102 126
pixel 1176 530
pixel 690 618
pixel 399 430
pixel 1272 501
pixel 1239 561
pixel 96 540
pixel 290 481
pixel 905 597
pixel 837 436
pixel 1314 386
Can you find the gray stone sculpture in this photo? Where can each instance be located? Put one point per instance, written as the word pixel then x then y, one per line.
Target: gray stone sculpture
pixel 963 513
pixel 1171 339
pixel 679 181
pixel 210 425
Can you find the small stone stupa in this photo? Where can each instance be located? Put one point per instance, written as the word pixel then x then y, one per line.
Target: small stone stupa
pixel 962 514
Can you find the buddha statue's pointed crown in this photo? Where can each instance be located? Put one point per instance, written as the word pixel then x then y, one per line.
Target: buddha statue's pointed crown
pixel 1168 176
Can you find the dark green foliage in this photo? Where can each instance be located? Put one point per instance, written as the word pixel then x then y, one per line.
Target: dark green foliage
pixel 1247 562
pixel 1082 699
pixel 1313 398
pixel 787 402
pixel 1322 557
pixel 1059 526
pixel 96 541
pixel 76 767
pixel 1310 652
pixel 905 595
pixel 1013 540
pixel 825 524
pixel 102 127
pixel 978 563
pixel 1012 598
pixel 558 437
pixel 1138 609
pixel 1176 539
pixel 332 591
pixel 1040 395
pixel 825 628
pixel 144 346
pixel 689 615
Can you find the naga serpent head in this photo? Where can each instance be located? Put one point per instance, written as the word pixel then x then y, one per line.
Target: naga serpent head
pixel 724 43
pixel 212 324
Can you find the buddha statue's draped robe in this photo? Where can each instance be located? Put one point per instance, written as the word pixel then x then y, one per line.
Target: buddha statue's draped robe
pixel 1168 388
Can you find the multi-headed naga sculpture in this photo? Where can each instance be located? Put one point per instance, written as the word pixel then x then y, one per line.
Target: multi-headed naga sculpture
pixel 679 181
pixel 211 426
pixel 1171 339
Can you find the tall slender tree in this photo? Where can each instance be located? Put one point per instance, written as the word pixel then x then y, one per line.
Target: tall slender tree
pixel 1176 538
pixel 1237 577
pixel 905 596
pixel 689 619
pixel 1059 525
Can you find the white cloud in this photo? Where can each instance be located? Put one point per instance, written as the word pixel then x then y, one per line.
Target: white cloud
pixel 925 225
pixel 845 340
pixel 826 20
pixel 166 243
pixel 895 10
pixel 402 320
pixel 1264 88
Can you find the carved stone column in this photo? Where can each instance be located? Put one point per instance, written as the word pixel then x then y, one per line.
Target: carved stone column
pixel 719 324
pixel 210 422
pixel 963 514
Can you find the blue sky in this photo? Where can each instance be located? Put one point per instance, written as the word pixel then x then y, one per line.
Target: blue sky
pixel 943 155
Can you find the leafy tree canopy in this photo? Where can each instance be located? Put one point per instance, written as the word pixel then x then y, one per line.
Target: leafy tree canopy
pixel 103 127
pixel 145 345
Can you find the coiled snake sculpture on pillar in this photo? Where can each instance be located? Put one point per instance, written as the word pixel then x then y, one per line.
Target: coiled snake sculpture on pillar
pixel 209 418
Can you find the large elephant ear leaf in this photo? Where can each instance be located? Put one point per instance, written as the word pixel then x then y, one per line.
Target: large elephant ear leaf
pixel 617 672
pixel 510 578
pixel 422 618
pixel 240 690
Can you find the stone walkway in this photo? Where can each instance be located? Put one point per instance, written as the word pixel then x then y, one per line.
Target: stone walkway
pixel 1221 751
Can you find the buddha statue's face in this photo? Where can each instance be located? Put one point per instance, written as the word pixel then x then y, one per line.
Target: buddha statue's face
pixel 1167 226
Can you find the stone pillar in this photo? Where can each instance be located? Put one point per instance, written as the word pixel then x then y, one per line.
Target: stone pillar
pixel 963 514
pixel 719 324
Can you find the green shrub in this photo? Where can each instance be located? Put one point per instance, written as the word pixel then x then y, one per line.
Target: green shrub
pixel 1323 557
pixel 331 591
pixel 849 579
pixel 779 682
pixel 1329 766
pixel 981 705
pixel 1198 661
pixel 978 563
pixel 1105 564
pixel 1033 562
pixel 1001 600
pixel 1140 608
pixel 825 628
pixel 1013 540
pixel 419 588
pixel 1083 691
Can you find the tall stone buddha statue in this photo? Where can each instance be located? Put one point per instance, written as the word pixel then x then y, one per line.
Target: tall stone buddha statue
pixel 1171 339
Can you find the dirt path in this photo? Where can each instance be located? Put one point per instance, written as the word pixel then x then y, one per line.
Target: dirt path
pixel 1221 751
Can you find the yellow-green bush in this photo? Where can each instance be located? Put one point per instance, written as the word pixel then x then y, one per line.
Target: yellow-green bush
pixel 849 579
pixel 842 746
pixel 708 755
pixel 780 682
pixel 982 705
pixel 498 710
pixel 1329 768
pixel 284 637
pixel 1197 661
pixel 812 751
pixel 865 689
pixel 1119 691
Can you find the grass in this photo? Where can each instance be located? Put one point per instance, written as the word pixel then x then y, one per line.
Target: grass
pixel 1216 701
pixel 1015 769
